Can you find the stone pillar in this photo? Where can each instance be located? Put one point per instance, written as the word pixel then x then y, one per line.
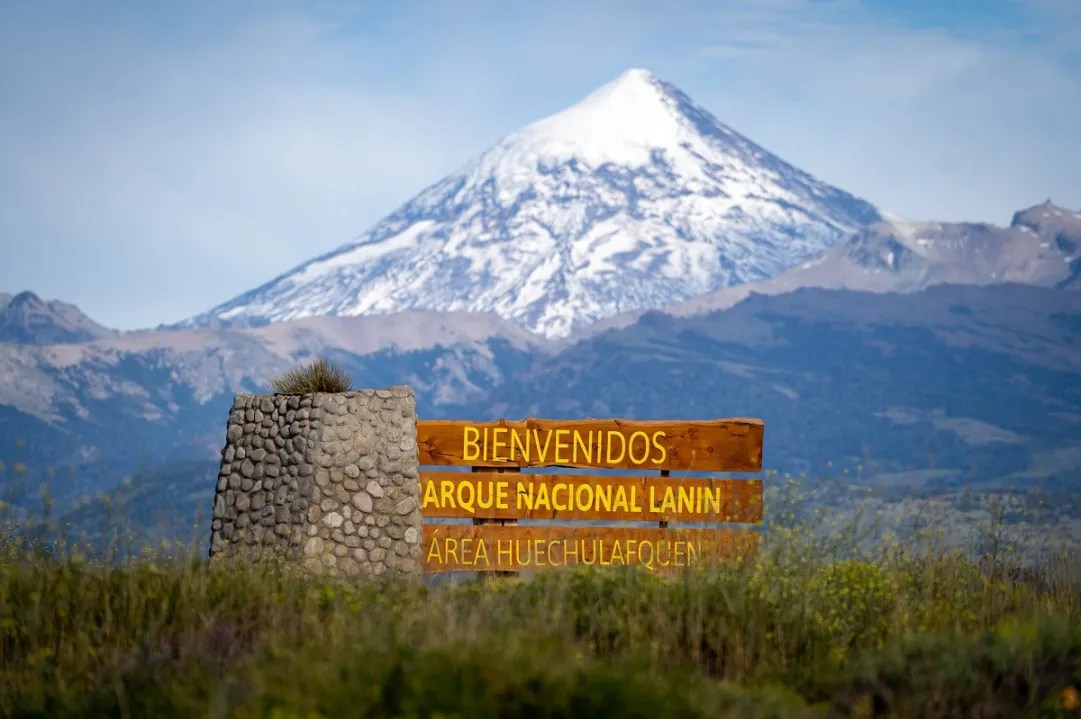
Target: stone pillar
pixel 329 480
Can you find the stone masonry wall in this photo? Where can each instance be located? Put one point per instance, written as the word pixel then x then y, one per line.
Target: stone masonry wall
pixel 329 480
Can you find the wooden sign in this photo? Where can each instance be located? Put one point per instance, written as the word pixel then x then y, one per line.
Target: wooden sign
pixel 488 495
pixel 491 547
pixel 723 445
pixel 496 494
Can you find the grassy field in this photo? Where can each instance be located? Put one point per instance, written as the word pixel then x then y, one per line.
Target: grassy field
pixel 821 624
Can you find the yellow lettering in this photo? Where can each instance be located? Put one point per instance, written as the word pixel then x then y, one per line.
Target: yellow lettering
pixel 593 558
pixel 612 434
pixel 658 445
pixel 551 558
pixel 583 496
pixel 482 552
pixel 484 446
pixel 713 500
pixel 516 442
pixel 446 494
pixel 653 500
pixel 433 552
pixel 686 500
pixel 518 553
pixel 585 444
pixel 556 504
pixel 645 448
pixel 600 550
pixel 431 496
pixel 621 499
pixel 503 553
pixel 568 554
pixel 668 503
pixel 542 501
pixel 602 496
pixel 537 555
pixel 467 443
pixel 452 550
pixel 501 500
pixel 617 553
pixel 561 445
pixel 524 496
pixel 497 443
pixel 466 493
pixel 542 449
pixel 647 562
pixel 668 545
pixel 635 507
pixel 481 501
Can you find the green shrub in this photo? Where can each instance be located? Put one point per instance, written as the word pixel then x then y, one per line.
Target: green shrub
pixel 320 375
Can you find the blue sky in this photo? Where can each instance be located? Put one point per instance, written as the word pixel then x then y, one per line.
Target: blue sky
pixel 155 161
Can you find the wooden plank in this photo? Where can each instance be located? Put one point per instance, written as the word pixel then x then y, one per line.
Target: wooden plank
pixel 494 548
pixel 721 445
pixel 493 495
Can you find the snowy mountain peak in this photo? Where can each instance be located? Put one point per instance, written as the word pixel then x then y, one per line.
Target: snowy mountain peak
pixel 622 123
pixel 633 198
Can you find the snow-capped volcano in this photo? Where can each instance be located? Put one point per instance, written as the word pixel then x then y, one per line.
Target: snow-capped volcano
pixel 633 198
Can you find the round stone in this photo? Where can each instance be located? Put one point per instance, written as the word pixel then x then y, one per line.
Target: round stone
pixel 375 489
pixel 364 443
pixel 363 502
pixel 411 535
pixel 333 520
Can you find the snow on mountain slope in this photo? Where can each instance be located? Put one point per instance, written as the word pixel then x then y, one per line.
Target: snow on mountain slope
pixel 634 198
pixel 1042 247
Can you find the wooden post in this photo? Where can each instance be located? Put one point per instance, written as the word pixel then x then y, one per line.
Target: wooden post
pixel 663 524
pixel 504 522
